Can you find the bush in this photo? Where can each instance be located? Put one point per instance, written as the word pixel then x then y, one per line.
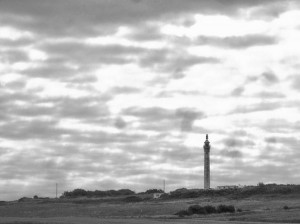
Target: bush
pixel 151 191
pixel 239 210
pixel 210 209
pixel 183 213
pixel 197 209
pixel 24 199
pixel 285 207
pixel 226 208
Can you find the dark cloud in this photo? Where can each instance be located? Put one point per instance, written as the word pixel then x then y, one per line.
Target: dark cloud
pixel 15 85
pixel 231 153
pixel 270 12
pixel 13 56
pixel 238 91
pixel 188 117
pixel 152 114
pixel 77 18
pixel 279 126
pixel 160 119
pixel 234 142
pixel 36 129
pixel 264 106
pixel 269 95
pixel 120 123
pixel 269 77
pixel 81 79
pixel 237 42
pixel 239 132
pixel 83 108
pixel 50 70
pixel 145 33
pixel 287 141
pixel 174 62
pixel 17 43
pixel 295 82
pixel 87 54
pixel 124 90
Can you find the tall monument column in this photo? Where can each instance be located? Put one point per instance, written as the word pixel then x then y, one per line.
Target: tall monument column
pixel 206 164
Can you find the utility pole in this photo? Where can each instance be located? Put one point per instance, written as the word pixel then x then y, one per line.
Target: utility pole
pixel 164 186
pixel 56 189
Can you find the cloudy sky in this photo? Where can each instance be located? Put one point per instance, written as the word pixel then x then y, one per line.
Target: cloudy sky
pixel 103 94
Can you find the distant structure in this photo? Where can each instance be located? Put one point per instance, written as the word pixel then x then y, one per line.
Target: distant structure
pixel 206 164
pixel 157 195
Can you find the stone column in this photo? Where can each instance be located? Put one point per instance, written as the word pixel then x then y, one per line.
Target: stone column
pixel 206 164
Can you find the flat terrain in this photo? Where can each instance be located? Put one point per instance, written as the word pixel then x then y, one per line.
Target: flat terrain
pixel 255 209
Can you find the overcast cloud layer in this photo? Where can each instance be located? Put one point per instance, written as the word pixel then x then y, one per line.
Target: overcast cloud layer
pixel 120 94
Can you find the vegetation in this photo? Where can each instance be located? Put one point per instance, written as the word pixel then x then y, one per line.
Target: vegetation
pixel 204 210
pixel 247 191
pixel 80 193
pixel 152 191
pixel 197 209
pixel 226 208
pixel 257 208
pixel 238 192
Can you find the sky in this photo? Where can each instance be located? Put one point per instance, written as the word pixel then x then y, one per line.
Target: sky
pixel 103 94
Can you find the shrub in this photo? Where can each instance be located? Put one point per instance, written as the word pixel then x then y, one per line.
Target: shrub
pixel 197 209
pixel 24 199
pixel 226 208
pixel 183 213
pixel 285 207
pixel 239 210
pixel 151 191
pixel 210 209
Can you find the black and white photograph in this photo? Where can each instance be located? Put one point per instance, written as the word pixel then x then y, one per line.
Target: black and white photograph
pixel 149 111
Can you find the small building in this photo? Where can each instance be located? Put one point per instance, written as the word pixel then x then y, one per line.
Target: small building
pixel 156 195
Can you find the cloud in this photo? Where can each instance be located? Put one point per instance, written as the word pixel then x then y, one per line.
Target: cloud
pixel 237 42
pixel 264 106
pixel 188 117
pixel 295 82
pixel 76 18
pixel 13 56
pixel 60 123
pixel 124 90
pixel 90 54
pixel 120 123
pixel 160 119
pixel 238 91
pixel 234 142
pixel 16 43
pixel 174 62
pixel 269 77
pixel 269 95
pixel 145 33
pixel 279 125
pixel 231 153
pixel 270 12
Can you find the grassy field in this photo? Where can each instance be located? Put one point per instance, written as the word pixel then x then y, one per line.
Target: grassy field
pixel 256 209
